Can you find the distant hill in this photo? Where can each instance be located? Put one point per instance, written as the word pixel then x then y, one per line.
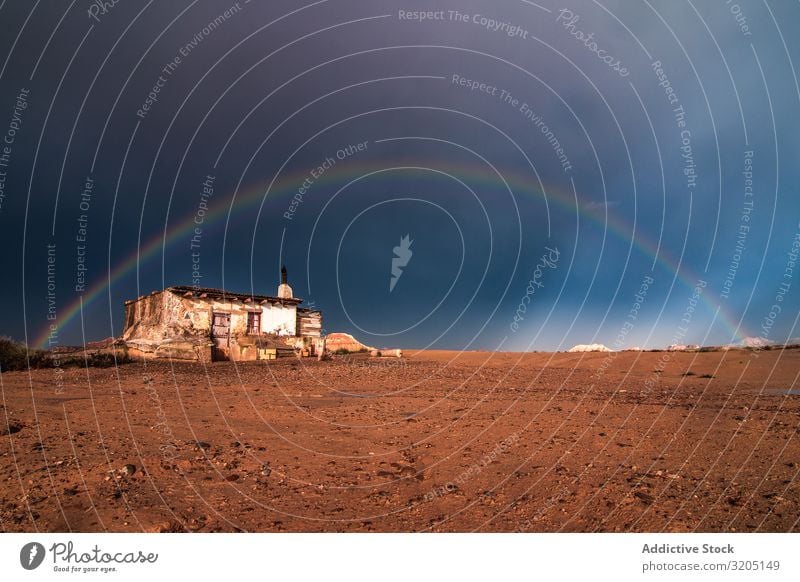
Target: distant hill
pixel 589 348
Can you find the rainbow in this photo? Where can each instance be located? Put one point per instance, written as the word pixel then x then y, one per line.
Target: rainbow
pixel 343 172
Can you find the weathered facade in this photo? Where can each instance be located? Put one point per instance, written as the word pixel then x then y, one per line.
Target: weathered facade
pixel 202 324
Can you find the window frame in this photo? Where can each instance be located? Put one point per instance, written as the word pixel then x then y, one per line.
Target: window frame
pixel 253 323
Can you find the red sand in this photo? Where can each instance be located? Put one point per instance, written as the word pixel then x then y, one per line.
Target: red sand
pixel 448 442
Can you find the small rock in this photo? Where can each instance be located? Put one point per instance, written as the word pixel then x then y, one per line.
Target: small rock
pixel 266 470
pixel 129 469
pixel 10 428
pixel 202 445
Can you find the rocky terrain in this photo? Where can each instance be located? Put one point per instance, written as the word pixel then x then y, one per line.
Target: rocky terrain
pixel 434 441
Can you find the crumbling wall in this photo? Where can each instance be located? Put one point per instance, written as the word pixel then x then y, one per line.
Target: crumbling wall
pixel 144 317
pixel 196 315
pixel 165 315
pixel 193 349
pixel 309 323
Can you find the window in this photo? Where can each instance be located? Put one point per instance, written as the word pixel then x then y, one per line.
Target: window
pixel 253 323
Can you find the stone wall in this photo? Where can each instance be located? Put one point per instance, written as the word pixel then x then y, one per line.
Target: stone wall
pixel 165 315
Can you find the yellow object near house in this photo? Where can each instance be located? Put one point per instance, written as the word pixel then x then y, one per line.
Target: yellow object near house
pixel 267 354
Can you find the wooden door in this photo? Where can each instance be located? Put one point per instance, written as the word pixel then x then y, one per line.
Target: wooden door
pixel 222 325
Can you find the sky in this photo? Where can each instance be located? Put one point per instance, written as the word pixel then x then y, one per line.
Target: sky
pixel 470 175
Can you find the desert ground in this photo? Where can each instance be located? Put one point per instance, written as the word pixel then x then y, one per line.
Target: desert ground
pixel 434 441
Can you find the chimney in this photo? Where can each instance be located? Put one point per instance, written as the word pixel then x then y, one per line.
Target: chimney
pixel 284 291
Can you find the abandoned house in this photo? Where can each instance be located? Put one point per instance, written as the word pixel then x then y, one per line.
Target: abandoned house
pixel 190 323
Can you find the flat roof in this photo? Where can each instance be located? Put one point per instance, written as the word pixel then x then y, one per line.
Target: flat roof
pixel 224 295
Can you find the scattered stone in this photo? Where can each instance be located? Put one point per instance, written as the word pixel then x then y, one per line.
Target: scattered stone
pixel 266 470
pixel 408 471
pixel 202 445
pixel 644 497
pixel 11 428
pixel 129 469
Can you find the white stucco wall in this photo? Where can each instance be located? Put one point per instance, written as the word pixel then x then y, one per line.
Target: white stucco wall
pixel 279 319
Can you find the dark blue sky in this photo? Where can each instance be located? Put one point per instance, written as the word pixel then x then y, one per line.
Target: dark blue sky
pixel 568 173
